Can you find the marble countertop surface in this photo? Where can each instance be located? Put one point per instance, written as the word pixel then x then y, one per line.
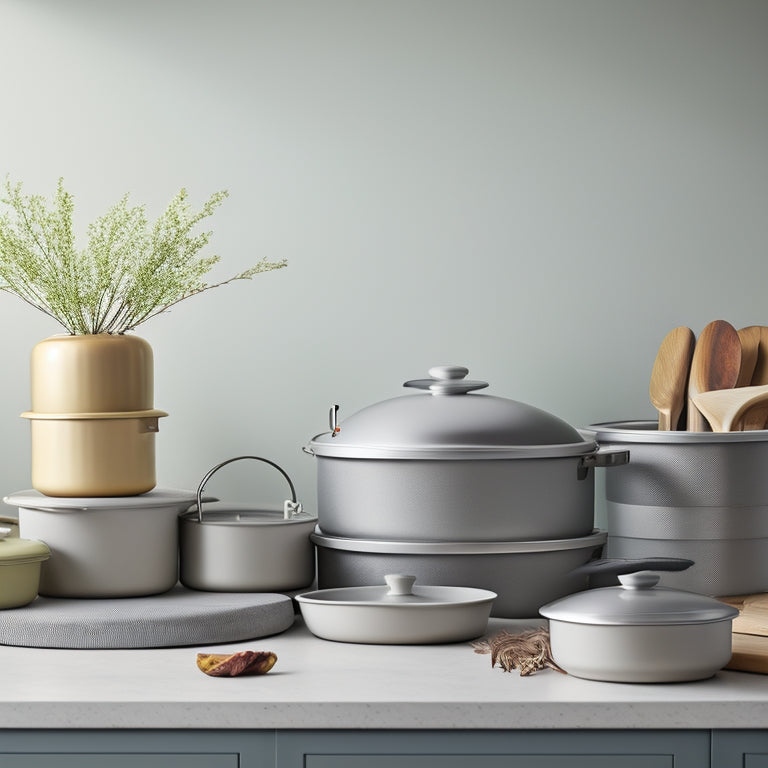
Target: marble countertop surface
pixel 327 685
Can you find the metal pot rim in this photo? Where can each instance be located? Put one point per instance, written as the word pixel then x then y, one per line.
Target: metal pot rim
pixel 339 449
pixel 596 538
pixel 645 431
pixel 245 518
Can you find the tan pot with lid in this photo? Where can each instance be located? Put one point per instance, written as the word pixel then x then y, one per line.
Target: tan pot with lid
pixel 93 423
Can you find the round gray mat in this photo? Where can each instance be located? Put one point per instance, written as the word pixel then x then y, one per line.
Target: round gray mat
pixel 175 618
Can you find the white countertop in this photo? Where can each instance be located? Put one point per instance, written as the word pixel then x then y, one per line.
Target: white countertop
pixel 320 684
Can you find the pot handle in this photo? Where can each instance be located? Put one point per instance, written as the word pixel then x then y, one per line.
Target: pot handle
pixel 611 457
pixel 619 566
pixel 290 508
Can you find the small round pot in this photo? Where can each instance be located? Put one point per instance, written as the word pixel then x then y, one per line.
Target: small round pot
pixel 640 633
pixel 397 614
pixel 452 465
pixel 93 455
pixel 243 548
pixel 20 561
pixel 105 547
pixel 523 574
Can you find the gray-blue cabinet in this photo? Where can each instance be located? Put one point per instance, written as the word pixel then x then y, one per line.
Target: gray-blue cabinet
pixel 492 749
pixel 383 749
pixel 740 749
pixel 137 749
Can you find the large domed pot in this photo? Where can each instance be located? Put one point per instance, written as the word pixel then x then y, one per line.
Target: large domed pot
pixel 449 464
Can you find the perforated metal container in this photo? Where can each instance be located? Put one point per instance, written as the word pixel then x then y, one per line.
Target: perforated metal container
pixel 697 495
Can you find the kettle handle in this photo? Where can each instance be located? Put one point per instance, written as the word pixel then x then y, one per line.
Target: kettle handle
pixel 290 508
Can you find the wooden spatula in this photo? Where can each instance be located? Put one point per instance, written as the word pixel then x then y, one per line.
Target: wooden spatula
pixel 715 365
pixel 760 372
pixel 669 377
pixel 727 409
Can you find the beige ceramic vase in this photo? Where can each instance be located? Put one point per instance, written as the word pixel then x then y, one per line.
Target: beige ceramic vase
pixel 92 419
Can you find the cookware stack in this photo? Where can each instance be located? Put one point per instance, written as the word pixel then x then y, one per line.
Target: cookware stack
pixel 110 531
pixel 459 489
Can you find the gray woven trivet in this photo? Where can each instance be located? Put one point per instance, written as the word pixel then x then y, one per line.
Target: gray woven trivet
pixel 176 618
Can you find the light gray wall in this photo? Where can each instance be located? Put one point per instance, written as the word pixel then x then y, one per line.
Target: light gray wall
pixel 537 189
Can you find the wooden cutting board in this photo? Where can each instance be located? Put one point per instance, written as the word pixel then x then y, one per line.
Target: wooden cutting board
pixel 750 654
pixel 750 633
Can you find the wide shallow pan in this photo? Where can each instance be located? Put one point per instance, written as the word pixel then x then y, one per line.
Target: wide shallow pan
pixel 397 614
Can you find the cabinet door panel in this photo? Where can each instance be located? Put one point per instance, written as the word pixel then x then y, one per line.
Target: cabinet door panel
pixel 493 749
pixel 111 760
pixel 740 749
pixel 488 761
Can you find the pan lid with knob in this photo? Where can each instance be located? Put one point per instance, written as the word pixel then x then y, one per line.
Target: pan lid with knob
pixel 449 420
pixel 638 601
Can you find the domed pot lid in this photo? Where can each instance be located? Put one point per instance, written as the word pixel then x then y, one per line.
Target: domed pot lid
pixel 638 601
pixel 449 420
pixel 16 551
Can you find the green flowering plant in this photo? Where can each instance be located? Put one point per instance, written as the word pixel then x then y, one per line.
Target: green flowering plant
pixel 127 273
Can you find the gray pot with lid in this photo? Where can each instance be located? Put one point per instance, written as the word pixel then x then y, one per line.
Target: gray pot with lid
pixel 450 464
pixel 639 632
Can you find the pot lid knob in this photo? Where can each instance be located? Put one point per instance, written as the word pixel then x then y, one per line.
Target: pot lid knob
pixel 447 380
pixel 639 580
pixel 399 584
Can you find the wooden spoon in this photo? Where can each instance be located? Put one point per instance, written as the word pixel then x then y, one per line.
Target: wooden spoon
pixel 726 408
pixel 669 377
pixel 760 373
pixel 750 345
pixel 715 365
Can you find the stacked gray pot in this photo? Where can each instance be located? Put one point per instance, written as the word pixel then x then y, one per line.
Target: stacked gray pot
pixel 459 489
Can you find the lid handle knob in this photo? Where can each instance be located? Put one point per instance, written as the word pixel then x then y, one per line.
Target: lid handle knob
pixel 448 372
pixel 399 583
pixel 639 580
pixel 447 380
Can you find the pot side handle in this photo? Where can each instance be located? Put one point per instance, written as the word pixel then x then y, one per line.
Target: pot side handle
pixel 609 457
pixel 619 566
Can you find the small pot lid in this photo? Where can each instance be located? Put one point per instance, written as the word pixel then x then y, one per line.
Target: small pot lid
pixel 15 551
pixel 232 514
pixel 638 602
pixel 450 421
pixel 400 592
pixel 158 497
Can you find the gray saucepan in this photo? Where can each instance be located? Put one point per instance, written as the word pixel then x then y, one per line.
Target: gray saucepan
pixel 639 632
